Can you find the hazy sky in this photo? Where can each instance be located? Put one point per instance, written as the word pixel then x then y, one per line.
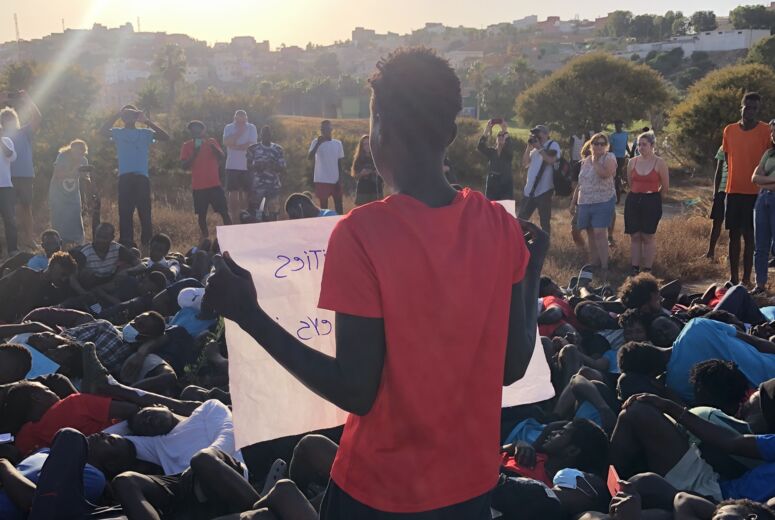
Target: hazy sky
pixel 296 22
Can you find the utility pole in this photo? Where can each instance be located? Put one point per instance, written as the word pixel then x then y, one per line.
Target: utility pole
pixel 138 24
pixel 18 39
pixel 63 25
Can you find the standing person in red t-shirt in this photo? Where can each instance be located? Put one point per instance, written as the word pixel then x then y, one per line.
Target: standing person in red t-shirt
pixel 201 154
pixel 744 143
pixel 435 296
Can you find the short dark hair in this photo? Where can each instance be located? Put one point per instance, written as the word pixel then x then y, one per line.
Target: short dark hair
pixel 106 225
pixel 752 96
pixel 19 353
pixel 161 238
pixel 543 283
pixel 158 280
pixel 725 317
pixel 640 357
pixel 762 511
pixel 50 232
pixel 721 381
pixel 64 260
pixel 159 321
pixel 16 405
pixel 636 291
pixel 416 94
pixel 632 317
pixel 592 443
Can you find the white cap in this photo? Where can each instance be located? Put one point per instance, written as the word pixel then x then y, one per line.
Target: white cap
pixel 191 297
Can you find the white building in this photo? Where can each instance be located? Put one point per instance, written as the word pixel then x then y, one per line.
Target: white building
pixel 710 41
pixel 121 70
pixel 459 59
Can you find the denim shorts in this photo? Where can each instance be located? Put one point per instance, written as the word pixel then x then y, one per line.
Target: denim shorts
pixel 596 216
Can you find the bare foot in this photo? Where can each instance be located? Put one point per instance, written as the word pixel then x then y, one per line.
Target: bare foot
pixel 95 376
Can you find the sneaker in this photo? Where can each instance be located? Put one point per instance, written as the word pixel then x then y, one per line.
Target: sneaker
pixel 758 290
pixel 278 471
pixel 585 276
pixel 611 242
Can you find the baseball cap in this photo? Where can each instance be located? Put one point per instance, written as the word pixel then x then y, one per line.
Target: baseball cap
pixel 539 128
pixel 191 297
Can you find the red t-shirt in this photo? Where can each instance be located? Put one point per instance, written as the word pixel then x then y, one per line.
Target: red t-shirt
pixel 84 412
pixel 204 170
pixel 537 473
pixel 441 280
pixel 568 315
pixel 744 149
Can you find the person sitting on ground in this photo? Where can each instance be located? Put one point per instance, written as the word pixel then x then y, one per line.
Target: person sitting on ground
pixel 641 292
pixel 157 257
pixel 25 289
pixel 299 205
pixel 50 243
pixel 99 261
pixel 556 317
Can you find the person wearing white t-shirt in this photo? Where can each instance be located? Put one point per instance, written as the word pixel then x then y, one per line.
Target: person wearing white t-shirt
pixel 327 154
pixel 540 158
pixel 7 199
pixel 238 136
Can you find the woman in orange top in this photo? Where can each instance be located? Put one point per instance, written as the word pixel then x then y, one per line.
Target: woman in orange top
pixel 649 181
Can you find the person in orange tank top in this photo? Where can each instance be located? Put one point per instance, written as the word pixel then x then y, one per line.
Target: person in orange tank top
pixel 649 181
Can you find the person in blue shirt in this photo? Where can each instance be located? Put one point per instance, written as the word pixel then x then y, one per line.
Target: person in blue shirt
pixel 51 242
pixel 134 188
pixel 620 142
pixel 300 205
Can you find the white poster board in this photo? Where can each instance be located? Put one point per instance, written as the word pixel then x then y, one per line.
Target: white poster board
pixel 286 260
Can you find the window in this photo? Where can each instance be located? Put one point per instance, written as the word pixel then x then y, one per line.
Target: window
pixel 739 32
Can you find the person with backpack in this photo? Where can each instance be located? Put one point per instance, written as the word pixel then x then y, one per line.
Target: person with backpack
pixel 594 201
pixel 541 157
pixel 500 181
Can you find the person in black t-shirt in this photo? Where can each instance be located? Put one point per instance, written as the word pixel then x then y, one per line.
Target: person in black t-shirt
pixel 500 181
pixel 369 183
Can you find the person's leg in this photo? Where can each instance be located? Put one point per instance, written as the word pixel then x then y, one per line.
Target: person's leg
pixel 312 460
pixel 648 247
pixel 734 255
pixel 612 227
pixel 763 236
pixel 601 244
pixel 644 429
pixel 218 477
pixel 594 255
pixel 126 210
pixel 59 493
pixel 286 501
pixel 739 302
pixel 545 211
pixel 636 250
pixel 655 491
pixel 226 218
pixel 527 207
pixel 141 497
pixel 24 210
pixel 7 201
pixel 715 233
pixel 201 218
pixel 144 211
pixel 691 507
pixel 748 240
pixel 338 204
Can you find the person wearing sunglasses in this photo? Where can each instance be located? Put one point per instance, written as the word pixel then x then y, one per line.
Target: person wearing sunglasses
pixel 649 181
pixel 594 200
pixel 764 213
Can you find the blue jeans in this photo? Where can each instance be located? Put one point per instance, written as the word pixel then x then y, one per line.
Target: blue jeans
pixel 764 229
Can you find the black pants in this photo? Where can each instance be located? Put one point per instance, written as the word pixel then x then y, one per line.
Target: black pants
pixel 7 212
pixel 134 192
pixel 739 302
pixel 542 203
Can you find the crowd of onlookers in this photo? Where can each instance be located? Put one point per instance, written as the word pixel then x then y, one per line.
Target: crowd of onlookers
pixel 114 384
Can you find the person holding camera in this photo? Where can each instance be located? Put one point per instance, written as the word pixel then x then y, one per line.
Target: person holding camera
pixel 539 158
pixel 70 178
pixel 134 188
pixel 202 155
pixel 327 154
pixel 500 181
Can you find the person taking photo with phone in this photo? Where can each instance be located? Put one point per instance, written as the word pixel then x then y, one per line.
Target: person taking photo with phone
pixel 500 181
pixel 539 158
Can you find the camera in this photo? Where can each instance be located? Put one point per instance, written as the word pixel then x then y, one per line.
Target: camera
pixel 532 139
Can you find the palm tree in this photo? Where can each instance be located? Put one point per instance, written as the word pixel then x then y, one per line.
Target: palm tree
pixel 149 99
pixel 170 64
pixel 475 77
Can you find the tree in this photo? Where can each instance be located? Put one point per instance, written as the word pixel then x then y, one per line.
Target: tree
pixel 17 76
pixel 752 17
pixel 475 77
pixel 498 97
pixel 149 99
pixel 591 91
pixel 524 75
pixel 714 101
pixel 642 28
pixel 702 21
pixel 170 64
pixel 618 24
pixel 763 52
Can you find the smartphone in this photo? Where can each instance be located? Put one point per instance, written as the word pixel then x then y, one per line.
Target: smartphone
pixel 197 143
pixel 13 95
pixel 613 481
pixel 496 121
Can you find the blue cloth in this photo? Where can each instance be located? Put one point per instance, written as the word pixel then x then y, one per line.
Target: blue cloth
pixel 41 365
pixel 704 339
pixel 764 231
pixel 93 483
pixel 38 263
pixel 769 313
pixel 587 411
pixel 527 431
pixel 132 147
pixel 613 361
pixel 187 319
pixel 327 213
pixel 619 142
pixel 22 143
pixel 596 216
pixel 759 483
